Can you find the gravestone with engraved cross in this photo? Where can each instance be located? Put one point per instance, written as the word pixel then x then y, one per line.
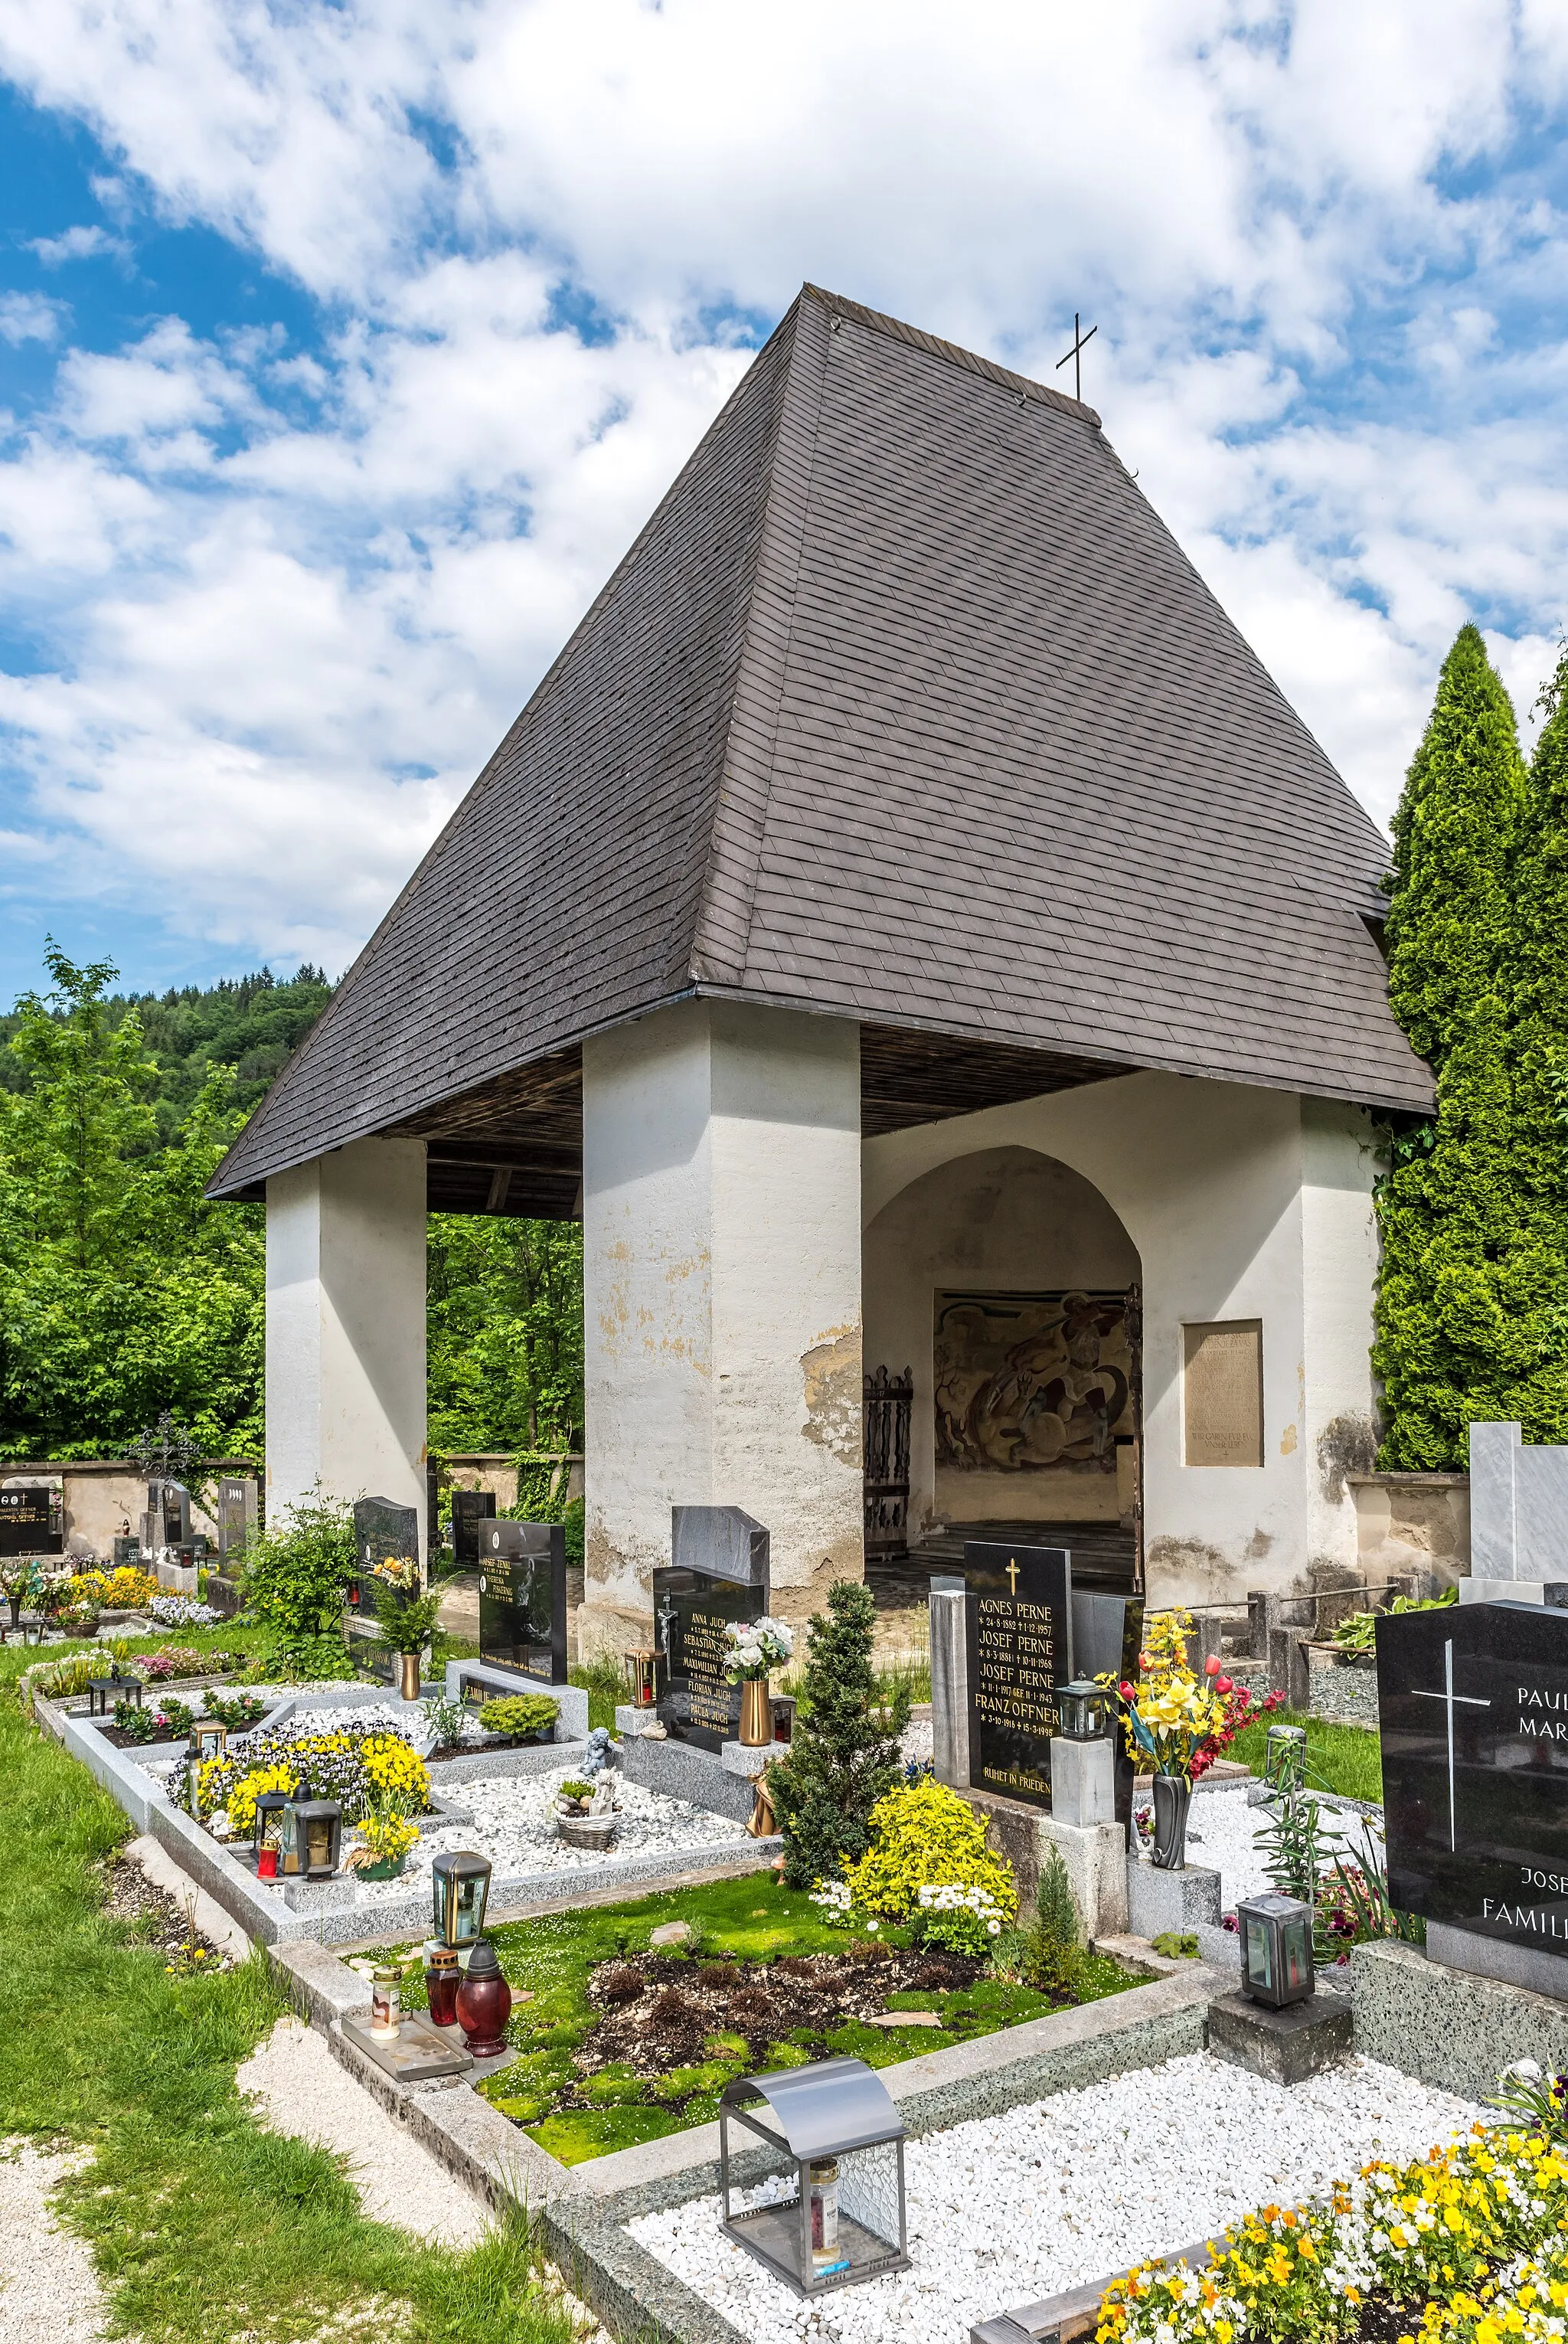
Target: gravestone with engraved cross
pixel 1018 1605
pixel 1473 1707
pixel 718 1574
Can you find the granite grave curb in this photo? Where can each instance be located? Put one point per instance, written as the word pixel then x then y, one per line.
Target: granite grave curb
pixel 1451 2028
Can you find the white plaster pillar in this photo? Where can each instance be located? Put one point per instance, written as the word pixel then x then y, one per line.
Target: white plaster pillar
pixel 1339 1278
pixel 722 1271
pixel 345 1287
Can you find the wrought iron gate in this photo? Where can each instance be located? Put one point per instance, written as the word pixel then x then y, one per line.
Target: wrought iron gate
pixel 889 1402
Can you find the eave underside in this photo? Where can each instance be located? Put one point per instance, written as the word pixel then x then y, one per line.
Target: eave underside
pixel 514 1145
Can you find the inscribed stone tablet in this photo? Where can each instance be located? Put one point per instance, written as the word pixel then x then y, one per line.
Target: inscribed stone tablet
pixel 1222 1387
pixel 691 1609
pixel 1473 1709
pixel 236 1511
pixel 469 1508
pixel 31 1520
pixel 1017 1608
pixel 523 1598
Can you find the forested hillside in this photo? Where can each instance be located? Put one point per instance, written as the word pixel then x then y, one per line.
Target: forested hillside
pixel 123 1292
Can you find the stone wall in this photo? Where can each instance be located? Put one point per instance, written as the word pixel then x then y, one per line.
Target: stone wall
pixel 1412 1522
pixel 101 1493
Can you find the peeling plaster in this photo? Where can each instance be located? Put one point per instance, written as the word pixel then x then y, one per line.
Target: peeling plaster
pixel 831 1370
pixel 1288 1441
pixel 1347 1444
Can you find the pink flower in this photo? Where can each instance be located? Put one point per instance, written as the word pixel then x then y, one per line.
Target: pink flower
pixel 1224 1684
pixel 1210 1666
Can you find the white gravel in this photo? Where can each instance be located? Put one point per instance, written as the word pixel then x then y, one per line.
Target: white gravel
pixel 49 2291
pixel 1221 1830
pixel 514 1825
pixel 1008 2208
pixel 299 2088
pixel 919 1743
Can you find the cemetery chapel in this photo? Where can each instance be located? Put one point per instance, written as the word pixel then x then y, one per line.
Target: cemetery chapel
pixel 910 930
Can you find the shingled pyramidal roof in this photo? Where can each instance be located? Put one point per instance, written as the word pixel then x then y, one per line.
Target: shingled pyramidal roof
pixel 905 706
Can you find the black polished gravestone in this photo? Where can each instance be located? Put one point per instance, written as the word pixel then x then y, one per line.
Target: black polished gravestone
pixel 32 1520
pixel 1018 1610
pixel 718 1574
pixel 523 1598
pixel 471 1509
pixel 1473 1704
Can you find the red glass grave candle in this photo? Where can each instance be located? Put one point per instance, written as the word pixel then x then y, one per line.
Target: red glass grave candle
pixel 442 1979
pixel 267 1863
pixel 484 2003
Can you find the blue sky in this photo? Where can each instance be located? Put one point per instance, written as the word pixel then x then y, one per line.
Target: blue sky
pixel 343 347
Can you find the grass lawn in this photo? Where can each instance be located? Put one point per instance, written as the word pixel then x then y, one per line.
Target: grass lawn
pixel 1346 1759
pixel 206 2228
pixel 748 1921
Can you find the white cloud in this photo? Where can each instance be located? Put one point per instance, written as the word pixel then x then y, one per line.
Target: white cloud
pixel 289 599
pixel 76 244
pixel 28 317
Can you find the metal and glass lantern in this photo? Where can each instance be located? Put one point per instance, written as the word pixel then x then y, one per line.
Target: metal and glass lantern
pixel 270 1808
pixel 208 1740
pixel 1276 1950
pixel 641 1676
pixel 836 2144
pixel 1285 1757
pixel 103 1692
pixel 1083 1711
pixel 461 1888
pixel 312 1836
pixel 33 1632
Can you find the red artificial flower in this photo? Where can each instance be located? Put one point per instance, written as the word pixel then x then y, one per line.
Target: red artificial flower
pixel 1223 1685
pixel 1126 1692
pixel 1210 1666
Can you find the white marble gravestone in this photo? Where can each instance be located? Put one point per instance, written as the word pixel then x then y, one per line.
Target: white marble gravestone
pixel 1518 1519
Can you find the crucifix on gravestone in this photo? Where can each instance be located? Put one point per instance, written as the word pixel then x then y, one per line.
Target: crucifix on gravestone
pixel 1449 1697
pixel 1080 342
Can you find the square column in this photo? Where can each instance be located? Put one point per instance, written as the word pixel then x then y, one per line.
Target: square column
pixel 345 1287
pixel 721 1275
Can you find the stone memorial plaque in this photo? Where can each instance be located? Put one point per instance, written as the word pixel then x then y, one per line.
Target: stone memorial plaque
pixel 167 1519
pixel 471 1509
pixel 32 1520
pixel 719 1573
pixel 236 1515
pixel 1223 1392
pixel 1473 1707
pixel 523 1598
pixel 1018 1610
pixel 691 1609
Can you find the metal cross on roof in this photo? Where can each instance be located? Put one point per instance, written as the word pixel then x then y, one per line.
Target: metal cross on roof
pixel 1075 355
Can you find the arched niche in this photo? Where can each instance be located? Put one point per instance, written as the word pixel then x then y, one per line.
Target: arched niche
pixel 1002 1222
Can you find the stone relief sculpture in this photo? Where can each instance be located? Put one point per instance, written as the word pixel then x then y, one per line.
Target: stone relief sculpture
pixel 1031 1382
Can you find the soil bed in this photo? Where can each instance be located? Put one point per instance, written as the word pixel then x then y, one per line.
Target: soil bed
pixel 158 1920
pixel 623 2041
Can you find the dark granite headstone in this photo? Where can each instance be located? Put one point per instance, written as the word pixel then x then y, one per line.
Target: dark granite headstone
pixel 523 1598
pixel 32 1520
pixel 167 1519
pixel 236 1515
pixel 470 1508
pixel 719 1573
pixel 1473 1704
pixel 385 1532
pixel 1018 1610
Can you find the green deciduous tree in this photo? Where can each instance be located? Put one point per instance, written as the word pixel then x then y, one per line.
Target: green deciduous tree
pixel 506 1334
pixel 1470 1306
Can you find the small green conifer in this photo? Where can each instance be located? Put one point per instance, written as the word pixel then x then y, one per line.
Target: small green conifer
pixel 842 1759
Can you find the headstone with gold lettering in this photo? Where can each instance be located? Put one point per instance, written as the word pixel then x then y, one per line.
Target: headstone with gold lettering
pixel 1018 1604
pixel 1473 1705
pixel 718 1574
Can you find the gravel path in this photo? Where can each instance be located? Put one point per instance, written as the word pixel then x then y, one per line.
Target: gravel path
pixel 301 2089
pixel 1007 2210
pixel 49 2291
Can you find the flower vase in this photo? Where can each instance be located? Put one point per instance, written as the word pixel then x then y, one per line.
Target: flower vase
pixel 756 1713
pixel 409 1673
pixel 1173 1797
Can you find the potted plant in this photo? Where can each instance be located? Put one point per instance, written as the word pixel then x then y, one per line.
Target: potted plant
pixel 586 1815
pixel 1169 1715
pixel 386 1838
pixel 406 1618
pixel 752 1651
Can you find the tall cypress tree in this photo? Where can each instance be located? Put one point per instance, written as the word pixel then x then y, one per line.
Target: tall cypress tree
pixel 1463 1278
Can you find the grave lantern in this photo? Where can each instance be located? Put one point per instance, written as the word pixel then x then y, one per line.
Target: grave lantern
pixel 312 1836
pixel 460 1886
pixel 270 1807
pixel 103 1692
pixel 208 1740
pixel 33 1632
pixel 1276 1950
pixel 836 2141
pixel 1285 1757
pixel 641 1678
pixel 1083 1711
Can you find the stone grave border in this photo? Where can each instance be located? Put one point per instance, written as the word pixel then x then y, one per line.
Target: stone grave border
pixel 324 1912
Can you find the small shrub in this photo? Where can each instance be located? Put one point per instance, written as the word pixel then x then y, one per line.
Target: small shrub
pixel 175 1720
pixel 619 1983
pixel 237 1711
pixel 295 1575
pixel 443 1718
pixel 673 2008
pixel 522 1716
pixel 928 1860
pixel 841 1760
pixel 134 1723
